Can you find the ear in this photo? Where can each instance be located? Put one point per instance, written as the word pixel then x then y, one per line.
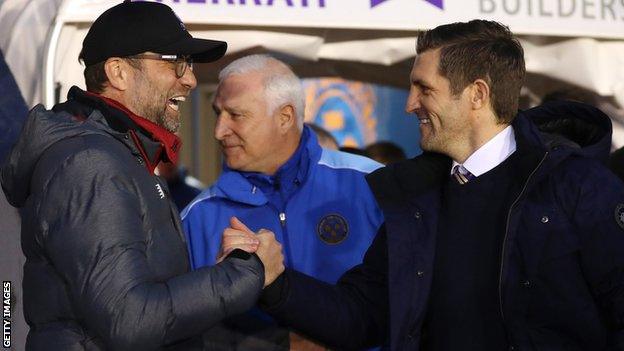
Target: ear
pixel 287 117
pixel 480 94
pixel 118 73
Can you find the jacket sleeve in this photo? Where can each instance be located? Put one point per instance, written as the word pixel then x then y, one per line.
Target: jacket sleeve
pixel 96 240
pixel 599 216
pixel 353 314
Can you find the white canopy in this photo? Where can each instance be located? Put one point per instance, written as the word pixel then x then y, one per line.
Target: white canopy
pixel 369 31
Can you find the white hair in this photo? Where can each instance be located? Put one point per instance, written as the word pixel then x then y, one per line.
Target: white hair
pixel 281 85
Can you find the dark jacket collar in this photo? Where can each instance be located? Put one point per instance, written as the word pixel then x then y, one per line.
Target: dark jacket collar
pixel 583 129
pixel 164 146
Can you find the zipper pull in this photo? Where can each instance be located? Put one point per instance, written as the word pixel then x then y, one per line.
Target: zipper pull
pixel 282 218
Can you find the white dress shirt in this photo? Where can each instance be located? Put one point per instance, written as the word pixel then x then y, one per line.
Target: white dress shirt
pixel 491 154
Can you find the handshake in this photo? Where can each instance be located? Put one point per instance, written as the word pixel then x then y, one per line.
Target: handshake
pixel 262 243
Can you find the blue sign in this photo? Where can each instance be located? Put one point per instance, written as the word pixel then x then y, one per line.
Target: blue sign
pixel 358 114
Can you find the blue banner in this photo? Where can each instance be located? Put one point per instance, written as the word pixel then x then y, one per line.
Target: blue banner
pixel 358 114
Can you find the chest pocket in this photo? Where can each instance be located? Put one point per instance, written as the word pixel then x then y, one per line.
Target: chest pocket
pixel 560 237
pixel 545 239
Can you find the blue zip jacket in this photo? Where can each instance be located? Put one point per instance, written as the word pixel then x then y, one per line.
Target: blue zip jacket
pixel 561 284
pixel 318 205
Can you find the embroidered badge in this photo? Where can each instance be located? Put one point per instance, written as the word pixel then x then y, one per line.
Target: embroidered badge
pixel 333 229
pixel 619 215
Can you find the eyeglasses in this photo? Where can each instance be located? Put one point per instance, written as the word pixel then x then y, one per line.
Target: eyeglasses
pixel 181 61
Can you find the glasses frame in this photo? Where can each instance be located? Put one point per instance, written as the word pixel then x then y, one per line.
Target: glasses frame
pixel 182 62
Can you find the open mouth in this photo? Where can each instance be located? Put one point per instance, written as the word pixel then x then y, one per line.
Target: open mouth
pixel 174 102
pixel 425 121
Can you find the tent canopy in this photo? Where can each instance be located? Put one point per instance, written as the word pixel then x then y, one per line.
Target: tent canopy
pixel 360 33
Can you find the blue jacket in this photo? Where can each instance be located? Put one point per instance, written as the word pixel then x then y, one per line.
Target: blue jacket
pixel 325 216
pixel 561 280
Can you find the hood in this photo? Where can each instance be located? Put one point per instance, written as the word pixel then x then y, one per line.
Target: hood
pixel 42 129
pixel 584 128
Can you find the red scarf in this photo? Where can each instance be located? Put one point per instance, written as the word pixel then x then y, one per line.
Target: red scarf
pixel 169 142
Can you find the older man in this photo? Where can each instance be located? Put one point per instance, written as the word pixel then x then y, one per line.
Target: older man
pixel 501 236
pixel 106 262
pixel 277 177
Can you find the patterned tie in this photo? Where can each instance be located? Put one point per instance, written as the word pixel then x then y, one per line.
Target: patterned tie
pixel 462 175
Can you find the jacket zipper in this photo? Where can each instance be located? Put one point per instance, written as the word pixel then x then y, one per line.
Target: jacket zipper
pixel 285 243
pixel 500 276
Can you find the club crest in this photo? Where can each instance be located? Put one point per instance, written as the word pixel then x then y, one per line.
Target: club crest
pixel 333 229
pixel 619 215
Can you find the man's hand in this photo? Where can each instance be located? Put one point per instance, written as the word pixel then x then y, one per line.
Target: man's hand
pixel 237 236
pixel 270 253
pixel 299 343
pixel 264 244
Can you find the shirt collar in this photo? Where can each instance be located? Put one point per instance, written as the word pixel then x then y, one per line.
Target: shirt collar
pixel 491 154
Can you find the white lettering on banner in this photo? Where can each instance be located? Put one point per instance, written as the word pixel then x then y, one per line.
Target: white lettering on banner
pixel 586 9
pixel 570 18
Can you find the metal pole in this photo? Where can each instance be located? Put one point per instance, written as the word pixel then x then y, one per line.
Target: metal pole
pixel 48 65
pixel 195 133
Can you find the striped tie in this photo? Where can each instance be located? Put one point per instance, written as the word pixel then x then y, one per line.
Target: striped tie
pixel 462 175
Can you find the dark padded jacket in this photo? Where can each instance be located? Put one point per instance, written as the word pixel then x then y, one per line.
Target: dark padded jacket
pixel 106 261
pixel 561 284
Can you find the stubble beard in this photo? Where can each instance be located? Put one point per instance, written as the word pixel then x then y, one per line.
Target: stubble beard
pixel 171 124
pixel 435 142
pixel 152 104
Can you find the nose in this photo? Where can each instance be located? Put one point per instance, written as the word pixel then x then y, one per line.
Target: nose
pixel 222 128
pixel 413 101
pixel 188 80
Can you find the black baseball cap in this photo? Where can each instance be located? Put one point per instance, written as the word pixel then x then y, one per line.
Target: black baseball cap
pixel 132 28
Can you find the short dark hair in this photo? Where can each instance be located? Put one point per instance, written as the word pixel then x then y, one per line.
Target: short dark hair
pixel 385 152
pixel 95 75
pixel 480 49
pixel 322 134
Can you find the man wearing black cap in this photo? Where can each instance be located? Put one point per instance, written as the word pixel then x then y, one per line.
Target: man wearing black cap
pixel 106 263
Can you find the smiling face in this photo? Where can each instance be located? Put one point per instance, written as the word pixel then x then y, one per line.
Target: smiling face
pixel 155 92
pixel 444 122
pixel 252 139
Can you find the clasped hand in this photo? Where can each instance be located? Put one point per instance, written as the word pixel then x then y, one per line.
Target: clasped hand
pixel 262 243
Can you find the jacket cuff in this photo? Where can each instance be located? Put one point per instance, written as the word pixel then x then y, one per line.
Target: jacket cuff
pixel 240 254
pixel 274 293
